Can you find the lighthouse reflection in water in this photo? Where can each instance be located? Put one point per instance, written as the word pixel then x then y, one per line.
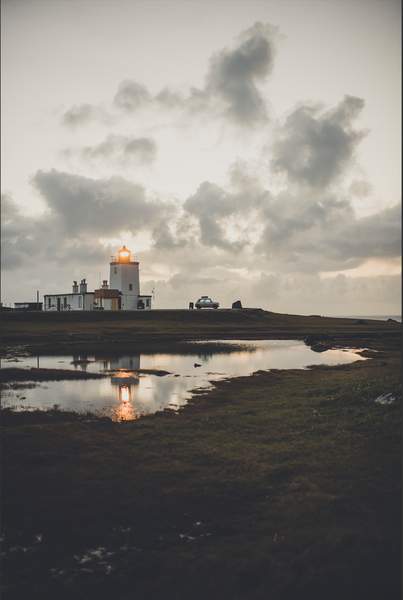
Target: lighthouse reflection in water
pixel 126 382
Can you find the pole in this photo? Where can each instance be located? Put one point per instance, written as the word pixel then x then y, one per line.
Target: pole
pixel 37 300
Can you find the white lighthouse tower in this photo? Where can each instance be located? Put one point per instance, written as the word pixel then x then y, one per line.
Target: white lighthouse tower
pixel 124 276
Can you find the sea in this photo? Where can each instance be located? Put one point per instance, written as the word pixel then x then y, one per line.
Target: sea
pixel 375 317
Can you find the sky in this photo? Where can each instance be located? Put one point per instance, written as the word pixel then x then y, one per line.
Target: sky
pixel 244 150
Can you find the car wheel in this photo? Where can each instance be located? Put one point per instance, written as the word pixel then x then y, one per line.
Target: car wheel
pixel 215 306
pixel 198 307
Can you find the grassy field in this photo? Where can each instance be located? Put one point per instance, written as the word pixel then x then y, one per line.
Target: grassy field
pixel 64 327
pixel 281 485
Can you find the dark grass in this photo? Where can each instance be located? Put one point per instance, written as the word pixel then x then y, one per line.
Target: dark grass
pixel 160 325
pixel 280 485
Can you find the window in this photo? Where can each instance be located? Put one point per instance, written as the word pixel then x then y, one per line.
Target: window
pixel 130 286
pixel 65 302
pixel 148 302
pixel 49 302
pixel 115 270
pixel 80 302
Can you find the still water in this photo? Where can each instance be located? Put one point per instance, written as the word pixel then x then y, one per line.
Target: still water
pixel 126 393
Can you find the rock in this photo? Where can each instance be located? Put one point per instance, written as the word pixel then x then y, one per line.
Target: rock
pixel 312 338
pixel 196 365
pixel 382 364
pixel 237 304
pixel 393 320
pixel 319 348
pixel 360 322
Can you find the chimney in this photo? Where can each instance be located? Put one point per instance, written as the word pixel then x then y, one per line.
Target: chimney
pixel 83 286
pixel 75 287
pixel 105 284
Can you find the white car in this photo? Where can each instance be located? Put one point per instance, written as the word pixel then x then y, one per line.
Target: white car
pixel 206 302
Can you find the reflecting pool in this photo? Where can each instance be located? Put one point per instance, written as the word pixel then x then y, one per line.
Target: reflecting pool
pixel 127 391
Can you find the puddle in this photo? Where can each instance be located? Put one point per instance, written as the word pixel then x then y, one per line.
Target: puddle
pixel 126 392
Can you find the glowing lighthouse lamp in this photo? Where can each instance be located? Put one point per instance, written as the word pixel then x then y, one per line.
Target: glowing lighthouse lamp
pixel 124 255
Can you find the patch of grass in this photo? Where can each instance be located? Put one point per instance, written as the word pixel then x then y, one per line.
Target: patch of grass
pixel 13 374
pixel 282 484
pixel 32 374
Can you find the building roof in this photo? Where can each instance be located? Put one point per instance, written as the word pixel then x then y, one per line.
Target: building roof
pixel 106 293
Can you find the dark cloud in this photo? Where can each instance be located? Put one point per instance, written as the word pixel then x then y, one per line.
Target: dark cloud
pixel 232 85
pixel 79 212
pixel 213 206
pixel 315 147
pixel 232 80
pixel 131 95
pixel 234 74
pixel 164 239
pixel 104 207
pixel 212 234
pixel 376 236
pixel 309 236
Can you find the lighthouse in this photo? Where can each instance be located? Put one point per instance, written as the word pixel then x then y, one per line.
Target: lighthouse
pixel 123 292
pixel 125 277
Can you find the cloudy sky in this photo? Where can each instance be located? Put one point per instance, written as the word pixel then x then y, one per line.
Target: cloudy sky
pixel 245 150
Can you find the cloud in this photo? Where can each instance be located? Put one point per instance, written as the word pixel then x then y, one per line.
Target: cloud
pixel 376 236
pixel 131 95
pixel 234 74
pixel 266 288
pixel 145 148
pixel 315 147
pixel 170 98
pixel 232 83
pixel 312 234
pixel 82 114
pixel 104 207
pixel 122 149
pixel 79 212
pixel 360 188
pixel 178 280
pixel 232 89
pixel 214 207
pixel 164 239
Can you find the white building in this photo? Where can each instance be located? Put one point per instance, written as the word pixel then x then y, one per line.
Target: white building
pixel 123 293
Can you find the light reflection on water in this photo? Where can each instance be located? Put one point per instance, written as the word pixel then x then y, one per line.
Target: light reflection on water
pixel 127 393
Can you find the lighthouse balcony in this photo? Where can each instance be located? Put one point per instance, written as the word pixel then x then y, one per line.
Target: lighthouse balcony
pixel 131 261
